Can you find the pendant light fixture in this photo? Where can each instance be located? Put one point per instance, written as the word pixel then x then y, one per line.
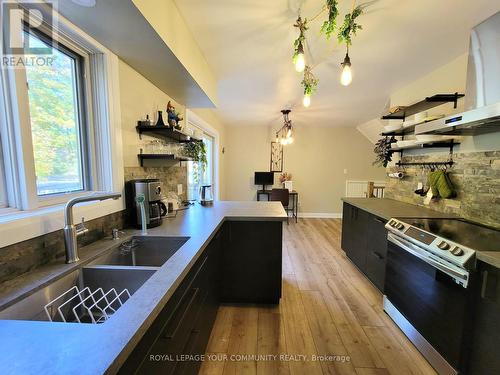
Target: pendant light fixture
pixel 285 134
pixel 346 76
pixel 299 59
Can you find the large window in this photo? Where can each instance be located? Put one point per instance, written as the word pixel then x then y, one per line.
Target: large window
pixel 198 176
pixel 57 120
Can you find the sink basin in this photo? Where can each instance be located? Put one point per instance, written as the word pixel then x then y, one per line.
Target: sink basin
pixel 93 278
pixel 151 251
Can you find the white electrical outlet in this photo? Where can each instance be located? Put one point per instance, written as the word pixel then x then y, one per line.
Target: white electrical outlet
pixel 179 189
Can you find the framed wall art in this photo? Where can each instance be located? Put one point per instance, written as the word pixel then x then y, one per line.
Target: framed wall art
pixel 276 157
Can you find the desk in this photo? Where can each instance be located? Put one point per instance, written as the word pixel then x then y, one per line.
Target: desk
pixel 294 199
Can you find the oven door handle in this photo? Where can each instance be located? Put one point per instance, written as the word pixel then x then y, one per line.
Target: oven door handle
pixel 462 277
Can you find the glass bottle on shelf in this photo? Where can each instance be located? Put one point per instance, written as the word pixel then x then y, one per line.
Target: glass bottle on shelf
pixel 160 122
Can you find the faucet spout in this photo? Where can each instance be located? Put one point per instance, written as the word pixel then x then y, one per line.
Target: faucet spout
pixel 71 231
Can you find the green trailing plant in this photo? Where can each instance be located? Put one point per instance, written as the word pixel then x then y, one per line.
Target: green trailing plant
pixel 383 151
pixel 350 27
pixel 197 151
pixel 329 26
pixel 298 44
pixel 310 83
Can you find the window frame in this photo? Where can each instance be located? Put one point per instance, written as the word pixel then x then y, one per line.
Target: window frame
pixel 195 121
pixel 3 188
pixel 84 113
pixel 25 210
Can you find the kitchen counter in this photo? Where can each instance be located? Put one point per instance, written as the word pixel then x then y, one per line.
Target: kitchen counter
pixel 489 257
pixel 387 208
pixel 34 347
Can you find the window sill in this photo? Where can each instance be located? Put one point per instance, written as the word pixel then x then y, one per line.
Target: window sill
pixel 17 226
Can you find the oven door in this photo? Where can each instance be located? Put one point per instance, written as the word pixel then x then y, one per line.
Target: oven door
pixel 428 295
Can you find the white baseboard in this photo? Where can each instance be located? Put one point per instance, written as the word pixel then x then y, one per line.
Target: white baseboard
pixel 320 215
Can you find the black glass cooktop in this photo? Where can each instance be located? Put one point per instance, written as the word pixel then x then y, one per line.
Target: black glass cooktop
pixel 465 233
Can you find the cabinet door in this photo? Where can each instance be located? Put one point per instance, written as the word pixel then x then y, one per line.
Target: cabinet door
pixel 251 265
pixel 354 234
pixel 376 251
pixel 484 358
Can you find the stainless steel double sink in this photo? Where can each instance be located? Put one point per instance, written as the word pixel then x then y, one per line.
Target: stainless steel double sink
pixel 125 266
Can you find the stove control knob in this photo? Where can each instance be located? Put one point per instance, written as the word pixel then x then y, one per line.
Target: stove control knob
pixel 400 226
pixel 443 245
pixel 457 251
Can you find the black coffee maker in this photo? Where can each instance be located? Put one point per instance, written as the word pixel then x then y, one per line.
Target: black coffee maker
pixel 154 207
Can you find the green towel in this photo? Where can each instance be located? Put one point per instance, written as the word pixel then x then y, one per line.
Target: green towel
pixel 441 185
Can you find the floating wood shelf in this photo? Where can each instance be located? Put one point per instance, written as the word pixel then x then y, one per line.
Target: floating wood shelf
pixel 428 144
pixel 425 163
pixel 170 157
pixel 427 103
pixel 165 133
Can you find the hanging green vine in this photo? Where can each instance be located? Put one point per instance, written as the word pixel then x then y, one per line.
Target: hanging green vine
pixel 197 151
pixel 329 26
pixel 350 27
pixel 310 83
pixel 298 44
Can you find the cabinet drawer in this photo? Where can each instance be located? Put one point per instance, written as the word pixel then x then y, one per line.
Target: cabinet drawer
pixel 375 268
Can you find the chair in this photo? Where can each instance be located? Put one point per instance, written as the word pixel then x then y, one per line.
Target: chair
pixel 283 196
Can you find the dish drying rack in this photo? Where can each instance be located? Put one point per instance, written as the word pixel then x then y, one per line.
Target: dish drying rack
pixel 85 305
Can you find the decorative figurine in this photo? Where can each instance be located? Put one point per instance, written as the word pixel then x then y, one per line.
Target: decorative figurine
pixel 174 118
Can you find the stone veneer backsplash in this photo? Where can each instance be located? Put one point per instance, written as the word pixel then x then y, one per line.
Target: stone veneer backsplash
pixel 170 176
pixel 25 256
pixel 475 176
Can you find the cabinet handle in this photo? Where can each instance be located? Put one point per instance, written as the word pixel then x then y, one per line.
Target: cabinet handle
pixel 484 283
pixel 188 306
pixel 377 255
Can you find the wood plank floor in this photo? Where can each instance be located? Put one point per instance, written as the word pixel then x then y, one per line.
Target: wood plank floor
pixel 328 308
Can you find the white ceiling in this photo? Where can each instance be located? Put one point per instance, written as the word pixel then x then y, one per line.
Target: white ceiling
pixel 248 44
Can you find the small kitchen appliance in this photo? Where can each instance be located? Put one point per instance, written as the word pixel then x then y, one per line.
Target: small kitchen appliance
pixel 206 197
pixel 155 209
pixel 430 283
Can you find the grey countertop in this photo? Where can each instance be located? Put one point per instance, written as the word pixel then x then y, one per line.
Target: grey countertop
pixel 32 347
pixel 489 257
pixel 387 208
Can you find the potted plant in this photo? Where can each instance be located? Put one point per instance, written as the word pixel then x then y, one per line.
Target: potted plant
pixel 286 180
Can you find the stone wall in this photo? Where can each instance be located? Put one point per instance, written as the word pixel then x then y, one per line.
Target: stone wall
pixel 475 176
pixel 170 176
pixel 25 256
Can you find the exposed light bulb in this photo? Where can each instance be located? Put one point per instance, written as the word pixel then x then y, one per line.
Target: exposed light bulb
pixel 300 62
pixel 290 140
pixel 283 141
pixel 346 76
pixel 289 133
pixel 307 100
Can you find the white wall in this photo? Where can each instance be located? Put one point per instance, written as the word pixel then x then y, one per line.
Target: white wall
pixel 316 159
pixel 449 78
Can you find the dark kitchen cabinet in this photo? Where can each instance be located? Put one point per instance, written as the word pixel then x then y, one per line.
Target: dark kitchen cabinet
pixel 364 240
pixel 251 262
pixel 183 326
pixel 242 263
pixel 484 359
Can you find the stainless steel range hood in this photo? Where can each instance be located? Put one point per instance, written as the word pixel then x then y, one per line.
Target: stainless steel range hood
pixel 482 95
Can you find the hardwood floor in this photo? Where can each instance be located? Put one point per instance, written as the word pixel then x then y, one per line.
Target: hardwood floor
pixel 328 308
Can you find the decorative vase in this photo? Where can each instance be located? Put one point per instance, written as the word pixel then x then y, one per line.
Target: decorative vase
pixel 160 119
pixel 288 185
